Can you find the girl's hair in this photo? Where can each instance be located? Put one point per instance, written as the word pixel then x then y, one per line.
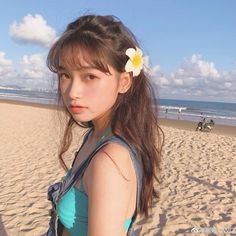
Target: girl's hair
pixel 103 40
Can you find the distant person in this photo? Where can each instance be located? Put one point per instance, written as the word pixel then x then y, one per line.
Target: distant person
pixel 179 112
pixel 166 113
pixel 104 89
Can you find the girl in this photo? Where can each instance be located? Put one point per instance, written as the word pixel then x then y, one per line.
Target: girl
pixel 105 90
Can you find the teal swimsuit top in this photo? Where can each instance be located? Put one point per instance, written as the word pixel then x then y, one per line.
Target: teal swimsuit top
pixel 72 211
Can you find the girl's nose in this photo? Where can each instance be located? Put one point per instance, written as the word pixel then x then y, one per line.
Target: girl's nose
pixel 75 89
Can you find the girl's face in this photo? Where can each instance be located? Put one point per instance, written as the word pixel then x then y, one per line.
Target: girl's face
pixel 87 92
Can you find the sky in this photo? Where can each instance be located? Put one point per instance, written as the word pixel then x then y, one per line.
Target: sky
pixel 190 45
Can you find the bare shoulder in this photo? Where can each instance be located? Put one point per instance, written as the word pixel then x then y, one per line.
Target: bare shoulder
pixel 115 157
pixel 111 186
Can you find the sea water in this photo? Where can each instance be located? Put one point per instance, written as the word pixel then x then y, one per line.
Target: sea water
pixel 221 112
pixel 41 97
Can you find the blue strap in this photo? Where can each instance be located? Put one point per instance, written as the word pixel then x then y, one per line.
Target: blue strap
pixel 84 141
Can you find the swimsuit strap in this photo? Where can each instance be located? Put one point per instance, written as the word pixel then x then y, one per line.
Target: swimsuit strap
pixel 87 133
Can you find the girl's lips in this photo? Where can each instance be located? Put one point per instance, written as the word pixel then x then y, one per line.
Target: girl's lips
pixel 77 106
pixel 77 109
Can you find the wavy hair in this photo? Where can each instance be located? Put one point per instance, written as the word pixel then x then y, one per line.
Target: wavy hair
pixel 103 40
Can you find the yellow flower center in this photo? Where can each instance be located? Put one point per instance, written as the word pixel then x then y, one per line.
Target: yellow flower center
pixel 136 60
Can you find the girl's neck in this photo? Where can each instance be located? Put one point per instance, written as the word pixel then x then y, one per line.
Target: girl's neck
pixel 100 126
pixel 101 133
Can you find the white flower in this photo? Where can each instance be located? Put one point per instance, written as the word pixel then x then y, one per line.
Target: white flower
pixel 135 62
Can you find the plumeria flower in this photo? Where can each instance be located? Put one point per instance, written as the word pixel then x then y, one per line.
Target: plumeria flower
pixel 135 62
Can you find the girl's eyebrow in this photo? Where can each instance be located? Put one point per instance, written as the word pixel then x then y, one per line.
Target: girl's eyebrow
pixel 80 68
pixel 61 68
pixel 88 68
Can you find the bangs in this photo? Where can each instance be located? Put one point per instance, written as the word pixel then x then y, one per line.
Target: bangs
pixel 78 52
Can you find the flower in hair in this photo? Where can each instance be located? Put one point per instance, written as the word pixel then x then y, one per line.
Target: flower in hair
pixel 135 62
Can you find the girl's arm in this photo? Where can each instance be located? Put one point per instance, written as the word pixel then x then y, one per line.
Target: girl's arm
pixel 109 191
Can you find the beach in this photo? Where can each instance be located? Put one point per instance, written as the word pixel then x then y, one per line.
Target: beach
pixel 198 174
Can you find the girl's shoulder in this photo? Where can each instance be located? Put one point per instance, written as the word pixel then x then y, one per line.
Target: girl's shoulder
pixel 114 157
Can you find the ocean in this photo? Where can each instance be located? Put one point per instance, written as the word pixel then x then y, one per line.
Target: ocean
pixel 220 112
pixel 41 97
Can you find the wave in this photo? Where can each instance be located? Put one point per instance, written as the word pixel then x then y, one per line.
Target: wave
pixel 169 108
pixel 38 98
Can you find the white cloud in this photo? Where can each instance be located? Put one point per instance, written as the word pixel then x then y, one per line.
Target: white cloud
pixel 228 84
pixel 6 68
pixel 196 79
pixel 33 29
pixel 186 83
pixel 34 74
pixel 163 81
pixel 3 61
pixel 202 68
pixel 151 71
pixel 179 81
pixel 6 74
pixel 33 66
pixel 198 68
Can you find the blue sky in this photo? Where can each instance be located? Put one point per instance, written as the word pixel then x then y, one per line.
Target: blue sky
pixel 190 44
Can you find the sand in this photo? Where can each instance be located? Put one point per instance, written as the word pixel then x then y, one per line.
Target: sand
pixel 198 175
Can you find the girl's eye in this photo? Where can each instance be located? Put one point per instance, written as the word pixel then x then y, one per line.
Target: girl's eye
pixel 90 77
pixel 64 76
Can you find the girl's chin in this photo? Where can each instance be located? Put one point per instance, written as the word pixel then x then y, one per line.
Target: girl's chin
pixel 78 118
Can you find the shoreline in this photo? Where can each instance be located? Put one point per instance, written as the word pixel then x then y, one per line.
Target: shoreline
pixel 229 130
pixel 191 126
pixel 31 104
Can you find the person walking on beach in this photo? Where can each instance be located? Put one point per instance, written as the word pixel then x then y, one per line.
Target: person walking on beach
pixel 179 113
pixel 103 89
pixel 166 113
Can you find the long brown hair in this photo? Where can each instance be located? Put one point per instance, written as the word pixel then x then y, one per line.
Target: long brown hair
pixel 103 40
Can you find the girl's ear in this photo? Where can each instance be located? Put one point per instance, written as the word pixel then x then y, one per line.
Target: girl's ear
pixel 125 82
